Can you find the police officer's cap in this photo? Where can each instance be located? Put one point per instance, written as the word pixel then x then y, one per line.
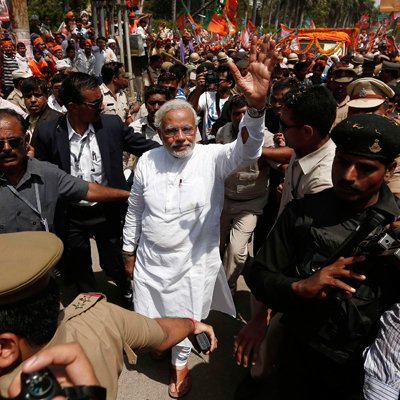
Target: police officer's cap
pixel 25 265
pixel 368 93
pixel 368 135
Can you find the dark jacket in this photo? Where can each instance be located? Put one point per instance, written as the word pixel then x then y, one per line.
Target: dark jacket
pixel 51 144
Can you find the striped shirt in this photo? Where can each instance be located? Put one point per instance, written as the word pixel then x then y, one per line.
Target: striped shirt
pixel 10 64
pixel 382 359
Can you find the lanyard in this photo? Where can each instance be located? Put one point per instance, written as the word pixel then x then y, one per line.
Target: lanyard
pixel 38 210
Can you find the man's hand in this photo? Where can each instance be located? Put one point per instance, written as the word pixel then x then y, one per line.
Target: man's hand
pixel 200 327
pixel 129 264
pixel 257 81
pixel 68 363
pixel 322 282
pixel 247 344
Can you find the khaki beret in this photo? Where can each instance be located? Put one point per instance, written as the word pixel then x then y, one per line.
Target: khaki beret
pixel 368 135
pixel 166 65
pixel 194 58
pixel 221 56
pixel 26 262
pixel 368 93
pixel 293 57
pixel 357 59
pixel 343 74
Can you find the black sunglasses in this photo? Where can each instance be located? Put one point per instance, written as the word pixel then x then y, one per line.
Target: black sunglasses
pixel 284 127
pixel 94 104
pixel 12 142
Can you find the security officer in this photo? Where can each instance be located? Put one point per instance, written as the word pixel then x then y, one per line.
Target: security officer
pixel 331 305
pixel 30 319
pixel 369 95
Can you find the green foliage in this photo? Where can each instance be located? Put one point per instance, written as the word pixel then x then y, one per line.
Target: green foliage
pixel 54 9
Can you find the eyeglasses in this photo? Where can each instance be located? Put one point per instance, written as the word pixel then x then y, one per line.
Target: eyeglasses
pixel 94 104
pixel 284 127
pixel 154 102
pixel 14 142
pixel 173 130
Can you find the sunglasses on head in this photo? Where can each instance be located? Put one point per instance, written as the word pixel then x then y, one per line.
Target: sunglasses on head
pixel 14 142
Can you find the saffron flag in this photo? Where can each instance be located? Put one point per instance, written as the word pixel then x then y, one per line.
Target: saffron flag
pixel 250 26
pixel 218 25
pixel 181 21
pixel 285 31
pixel 363 22
pixel 230 10
pixel 245 38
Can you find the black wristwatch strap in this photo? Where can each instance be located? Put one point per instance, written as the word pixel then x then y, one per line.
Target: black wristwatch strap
pixel 85 392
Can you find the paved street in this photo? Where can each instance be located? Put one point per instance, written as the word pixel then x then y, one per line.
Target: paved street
pixel 214 377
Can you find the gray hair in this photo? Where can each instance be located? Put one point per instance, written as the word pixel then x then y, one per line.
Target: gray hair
pixel 175 104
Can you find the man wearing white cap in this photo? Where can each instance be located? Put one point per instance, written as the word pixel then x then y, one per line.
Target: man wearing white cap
pixel 16 96
pixel 368 95
pixel 110 51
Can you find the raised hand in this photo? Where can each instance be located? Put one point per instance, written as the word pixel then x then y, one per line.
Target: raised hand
pixel 256 82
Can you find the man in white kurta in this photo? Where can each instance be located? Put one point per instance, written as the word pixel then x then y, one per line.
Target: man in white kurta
pixel 174 212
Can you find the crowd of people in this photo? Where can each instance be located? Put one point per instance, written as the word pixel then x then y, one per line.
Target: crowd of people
pixel 225 160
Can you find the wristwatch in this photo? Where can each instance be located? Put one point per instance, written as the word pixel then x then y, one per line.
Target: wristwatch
pixel 255 113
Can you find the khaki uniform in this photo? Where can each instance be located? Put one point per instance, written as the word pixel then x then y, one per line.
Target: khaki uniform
pixel 115 105
pixel 16 98
pixel 246 193
pixel 104 331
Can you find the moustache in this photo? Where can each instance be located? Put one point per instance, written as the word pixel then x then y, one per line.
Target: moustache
pixel 8 155
pixel 185 143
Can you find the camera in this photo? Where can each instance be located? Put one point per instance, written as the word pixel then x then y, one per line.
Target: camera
pixel 43 385
pixel 40 385
pixel 211 77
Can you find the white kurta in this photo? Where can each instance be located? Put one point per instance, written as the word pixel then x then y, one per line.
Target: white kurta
pixel 173 217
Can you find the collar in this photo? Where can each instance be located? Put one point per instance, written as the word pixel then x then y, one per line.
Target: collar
pixel 308 162
pixel 32 168
pixel 71 130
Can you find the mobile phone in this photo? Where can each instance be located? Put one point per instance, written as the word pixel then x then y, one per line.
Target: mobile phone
pixel 203 342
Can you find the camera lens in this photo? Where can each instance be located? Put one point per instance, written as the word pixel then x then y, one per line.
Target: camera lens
pixel 40 385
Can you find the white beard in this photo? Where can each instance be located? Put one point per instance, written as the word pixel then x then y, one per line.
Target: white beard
pixel 182 154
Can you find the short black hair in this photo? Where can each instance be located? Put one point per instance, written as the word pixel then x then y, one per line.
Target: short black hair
pixel 34 319
pixel 71 89
pixel 224 68
pixel 156 89
pixel 237 102
pixel 179 70
pixel 314 106
pixel 8 112
pixel 57 78
pixel 69 48
pixel 154 58
pixel 109 70
pixel 166 77
pixel 33 83
pixel 288 83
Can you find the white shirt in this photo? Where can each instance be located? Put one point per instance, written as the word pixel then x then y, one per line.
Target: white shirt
pixel 308 174
pixel 85 157
pixel 143 127
pixel 208 106
pixel 173 215
pixel 55 105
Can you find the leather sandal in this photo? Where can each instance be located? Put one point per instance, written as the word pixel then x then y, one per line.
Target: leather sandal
pixel 180 382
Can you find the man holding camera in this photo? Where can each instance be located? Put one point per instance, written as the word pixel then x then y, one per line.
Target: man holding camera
pixel 213 90
pixel 332 296
pixel 30 317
